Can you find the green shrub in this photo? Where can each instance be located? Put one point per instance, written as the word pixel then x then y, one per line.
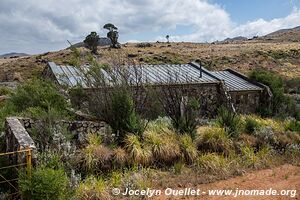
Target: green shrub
pixel 5 90
pixel 8 109
pixel 78 96
pixel 37 93
pixel 49 159
pixel 281 104
pixel 123 118
pixel 229 121
pixel 187 124
pixel 293 125
pixel 45 183
pixel 251 124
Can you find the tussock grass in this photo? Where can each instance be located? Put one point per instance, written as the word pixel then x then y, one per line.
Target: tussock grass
pixel 95 155
pixel 120 156
pixel 188 148
pixel 94 139
pixel 138 153
pixel 213 163
pixel 92 188
pixel 253 159
pixel 164 146
pixel 214 139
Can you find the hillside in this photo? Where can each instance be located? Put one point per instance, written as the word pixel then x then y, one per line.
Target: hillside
pixel 13 54
pixel 283 35
pixel 283 58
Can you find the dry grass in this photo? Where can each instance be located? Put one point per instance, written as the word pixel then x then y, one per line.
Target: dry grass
pixel 278 57
pixel 138 153
pixel 214 139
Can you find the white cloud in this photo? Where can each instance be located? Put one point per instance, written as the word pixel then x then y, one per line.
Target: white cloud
pixel 34 26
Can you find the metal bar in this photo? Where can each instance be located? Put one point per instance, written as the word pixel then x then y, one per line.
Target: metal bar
pixel 28 162
pixel 11 166
pixel 9 153
pixel 11 180
pixel 9 183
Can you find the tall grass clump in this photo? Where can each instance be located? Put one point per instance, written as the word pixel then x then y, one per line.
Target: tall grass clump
pixel 251 158
pixel 92 188
pixel 95 155
pixel 188 148
pixel 229 120
pixel 164 146
pixel 213 163
pixel 214 139
pixel 139 154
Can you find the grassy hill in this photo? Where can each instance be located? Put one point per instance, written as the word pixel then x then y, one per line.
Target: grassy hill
pixel 280 54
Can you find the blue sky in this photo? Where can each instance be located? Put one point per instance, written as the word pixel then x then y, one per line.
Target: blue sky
pixel 242 11
pixel 34 26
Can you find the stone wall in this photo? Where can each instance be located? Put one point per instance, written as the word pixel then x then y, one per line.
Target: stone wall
pixel 79 129
pixel 246 102
pixel 209 95
pixel 17 138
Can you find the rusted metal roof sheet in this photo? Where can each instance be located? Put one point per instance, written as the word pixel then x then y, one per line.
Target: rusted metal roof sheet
pixel 234 82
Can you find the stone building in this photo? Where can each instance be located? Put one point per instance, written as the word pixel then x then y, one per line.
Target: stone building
pixel 211 88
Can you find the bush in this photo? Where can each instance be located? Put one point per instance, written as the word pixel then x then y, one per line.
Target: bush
pixel 215 140
pixel 229 121
pixel 123 118
pixel 5 90
pixel 265 135
pixel 251 124
pixel 292 125
pixel 96 157
pixel 281 104
pixel 45 183
pixel 37 93
pixel 186 124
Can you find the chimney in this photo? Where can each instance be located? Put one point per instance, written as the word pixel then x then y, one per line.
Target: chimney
pixel 200 64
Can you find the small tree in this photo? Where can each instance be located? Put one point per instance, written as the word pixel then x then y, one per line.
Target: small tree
pixel 168 37
pixel 91 41
pixel 112 34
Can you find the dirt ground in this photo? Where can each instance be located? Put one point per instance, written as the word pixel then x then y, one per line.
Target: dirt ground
pixel 285 177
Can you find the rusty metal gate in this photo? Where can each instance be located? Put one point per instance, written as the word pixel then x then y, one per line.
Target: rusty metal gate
pixel 9 172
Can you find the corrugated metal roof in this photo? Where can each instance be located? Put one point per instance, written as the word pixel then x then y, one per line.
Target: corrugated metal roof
pixel 149 74
pixel 157 74
pixel 235 83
